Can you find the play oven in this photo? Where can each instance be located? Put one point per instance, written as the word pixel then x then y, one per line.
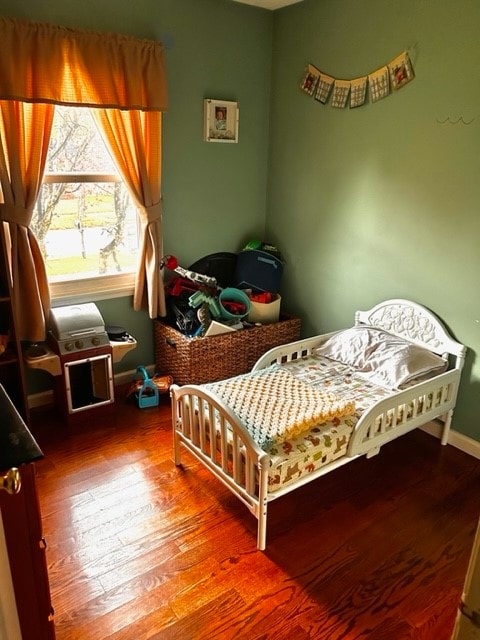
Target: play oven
pixel 77 334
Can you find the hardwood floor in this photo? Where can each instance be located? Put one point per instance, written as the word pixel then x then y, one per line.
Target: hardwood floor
pixel 139 549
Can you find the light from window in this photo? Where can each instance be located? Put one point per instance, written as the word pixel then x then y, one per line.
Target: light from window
pixel 85 221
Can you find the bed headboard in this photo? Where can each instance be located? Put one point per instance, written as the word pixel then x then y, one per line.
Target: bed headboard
pixel 414 322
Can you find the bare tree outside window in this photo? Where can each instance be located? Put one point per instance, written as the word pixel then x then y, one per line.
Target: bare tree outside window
pixel 85 221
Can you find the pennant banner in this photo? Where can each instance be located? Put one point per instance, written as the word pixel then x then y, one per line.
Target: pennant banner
pixel 379 84
pixel 400 70
pixel 341 89
pixel 325 84
pixel 309 83
pixel 358 91
pixel 321 85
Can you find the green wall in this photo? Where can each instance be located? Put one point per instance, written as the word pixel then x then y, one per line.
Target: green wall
pixel 380 201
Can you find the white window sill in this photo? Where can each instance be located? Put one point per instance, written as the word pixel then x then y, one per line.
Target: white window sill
pixel 91 289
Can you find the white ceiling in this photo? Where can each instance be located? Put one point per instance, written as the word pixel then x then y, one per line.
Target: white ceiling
pixel 269 4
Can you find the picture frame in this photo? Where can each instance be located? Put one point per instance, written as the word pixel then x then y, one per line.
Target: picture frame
pixel 220 120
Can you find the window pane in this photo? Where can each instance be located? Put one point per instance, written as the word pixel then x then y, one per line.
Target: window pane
pixel 85 221
pixel 76 143
pixel 92 229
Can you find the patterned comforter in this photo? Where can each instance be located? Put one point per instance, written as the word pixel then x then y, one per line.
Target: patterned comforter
pixel 328 441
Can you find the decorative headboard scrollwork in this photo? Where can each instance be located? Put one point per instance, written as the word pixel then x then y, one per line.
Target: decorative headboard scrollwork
pixel 405 321
pixel 413 322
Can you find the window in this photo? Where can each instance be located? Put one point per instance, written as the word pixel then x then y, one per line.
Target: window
pixel 85 221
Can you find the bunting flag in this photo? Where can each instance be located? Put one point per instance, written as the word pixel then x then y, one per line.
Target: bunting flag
pixel 341 89
pixel 324 86
pixel 379 84
pixel 309 83
pixel 401 70
pixel 393 75
pixel 358 91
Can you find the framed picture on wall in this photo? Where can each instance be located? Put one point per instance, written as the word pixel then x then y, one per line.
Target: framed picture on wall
pixel 220 120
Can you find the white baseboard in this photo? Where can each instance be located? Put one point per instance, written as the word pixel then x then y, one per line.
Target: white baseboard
pixel 45 398
pixel 456 439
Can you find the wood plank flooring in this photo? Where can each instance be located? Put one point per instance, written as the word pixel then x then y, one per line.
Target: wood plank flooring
pixel 139 549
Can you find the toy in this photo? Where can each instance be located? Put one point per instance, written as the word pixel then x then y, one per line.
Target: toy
pixel 234 308
pixel 171 263
pixel 199 298
pixel 146 389
pixel 265 297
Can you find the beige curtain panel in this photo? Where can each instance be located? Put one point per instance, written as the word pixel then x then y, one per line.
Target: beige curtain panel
pixel 24 134
pixel 127 134
pixel 46 64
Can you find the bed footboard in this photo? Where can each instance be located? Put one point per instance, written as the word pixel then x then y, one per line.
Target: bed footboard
pixel 211 432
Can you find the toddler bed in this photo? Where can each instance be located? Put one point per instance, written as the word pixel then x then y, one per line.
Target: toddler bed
pixel 313 405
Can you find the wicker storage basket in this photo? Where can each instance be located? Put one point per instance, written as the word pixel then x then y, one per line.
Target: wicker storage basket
pixel 200 360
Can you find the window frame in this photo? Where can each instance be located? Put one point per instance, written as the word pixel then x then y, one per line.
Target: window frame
pixel 89 289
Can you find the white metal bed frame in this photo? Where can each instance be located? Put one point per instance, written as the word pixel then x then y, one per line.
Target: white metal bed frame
pixel 242 466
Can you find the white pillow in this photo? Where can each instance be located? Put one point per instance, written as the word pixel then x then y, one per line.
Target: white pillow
pixel 393 364
pixel 352 346
pixel 385 359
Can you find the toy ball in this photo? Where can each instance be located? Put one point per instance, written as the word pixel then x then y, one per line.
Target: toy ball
pixel 170 262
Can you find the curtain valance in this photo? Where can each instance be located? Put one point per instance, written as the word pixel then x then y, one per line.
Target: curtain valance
pixel 42 62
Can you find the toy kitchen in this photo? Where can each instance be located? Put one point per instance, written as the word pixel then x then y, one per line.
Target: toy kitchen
pixel 79 353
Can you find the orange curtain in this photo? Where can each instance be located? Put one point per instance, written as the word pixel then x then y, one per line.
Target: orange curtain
pixel 42 62
pixel 134 139
pixel 47 64
pixel 24 133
